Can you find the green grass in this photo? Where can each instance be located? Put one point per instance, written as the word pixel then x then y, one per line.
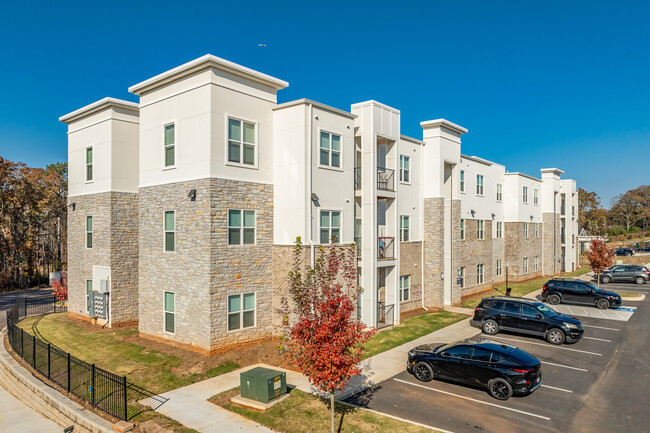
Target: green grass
pixel 409 330
pixel 302 412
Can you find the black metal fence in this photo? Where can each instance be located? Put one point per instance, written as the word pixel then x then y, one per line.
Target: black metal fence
pixel 102 389
pixel 384 315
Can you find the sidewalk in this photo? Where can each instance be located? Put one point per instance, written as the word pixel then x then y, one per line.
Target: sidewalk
pixel 189 405
pixel 18 417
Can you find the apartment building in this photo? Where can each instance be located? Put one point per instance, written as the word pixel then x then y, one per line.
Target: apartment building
pixel 184 207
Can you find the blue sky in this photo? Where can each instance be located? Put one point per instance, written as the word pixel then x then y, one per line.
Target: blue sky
pixel 538 84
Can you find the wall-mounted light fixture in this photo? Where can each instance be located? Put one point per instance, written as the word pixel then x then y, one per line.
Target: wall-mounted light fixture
pixel 314 197
pixel 493 216
pixel 73 205
pixel 532 217
pixel 192 195
pixel 442 276
pixel 472 212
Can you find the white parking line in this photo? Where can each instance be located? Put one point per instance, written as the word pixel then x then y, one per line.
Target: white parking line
pixel 558 389
pixel 601 327
pixel 547 345
pixel 598 339
pixel 396 417
pixel 471 399
pixel 565 366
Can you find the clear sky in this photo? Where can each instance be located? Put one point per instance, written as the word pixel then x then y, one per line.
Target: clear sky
pixel 538 83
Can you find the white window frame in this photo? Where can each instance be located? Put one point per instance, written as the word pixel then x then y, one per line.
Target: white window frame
pixel 165 231
pixel 525 265
pixel 461 272
pixel 402 288
pixel 480 274
pixel 91 164
pixel 242 227
pixel 402 229
pixel 499 229
pixel 320 228
pixel 241 312
pixel 241 164
pixel 536 263
pixel 525 230
pixel 524 194
pixel 536 230
pixel 88 294
pixel 329 166
pixel 89 232
pixel 402 160
pixel 165 312
pixel 480 186
pixel 536 196
pixel 480 229
pixel 165 146
pixel 461 181
pixel 499 192
pixel 499 267
pixel 462 229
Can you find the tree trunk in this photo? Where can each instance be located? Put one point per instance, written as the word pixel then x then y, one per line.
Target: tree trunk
pixel 332 407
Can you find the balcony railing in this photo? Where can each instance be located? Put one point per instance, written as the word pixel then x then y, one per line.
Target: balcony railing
pixel 384 315
pixel 385 247
pixel 357 178
pixel 357 242
pixel 385 179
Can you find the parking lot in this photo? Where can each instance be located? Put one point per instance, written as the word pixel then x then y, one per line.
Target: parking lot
pixel 577 393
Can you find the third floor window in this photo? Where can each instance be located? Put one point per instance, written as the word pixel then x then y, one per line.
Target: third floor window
pixel 330 149
pixel 480 179
pixel 405 168
pixel 241 142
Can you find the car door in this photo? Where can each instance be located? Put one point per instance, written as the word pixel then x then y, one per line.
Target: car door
pixel 628 274
pixel 616 272
pixel 532 320
pixel 479 368
pixel 583 294
pixel 568 290
pixel 510 316
pixel 453 363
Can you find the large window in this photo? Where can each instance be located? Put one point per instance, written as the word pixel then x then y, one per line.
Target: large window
pixel 89 231
pixel 170 145
pixel 499 192
pixel 480 232
pixel 170 312
pixel 536 264
pixel 404 288
pixel 405 168
pixel 241 142
pixel 404 228
pixel 479 274
pixel 461 274
pixel 89 164
pixel 462 229
pixel 241 311
pixel 241 227
pixel 525 230
pixel 330 149
pixel 480 180
pixel 499 231
pixel 89 289
pixel 330 226
pixel 462 181
pixel 170 230
pixel 525 265
pixel 524 194
pixel 499 268
pixel 535 196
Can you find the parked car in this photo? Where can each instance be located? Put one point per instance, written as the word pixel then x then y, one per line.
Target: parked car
pixel 558 290
pixel 624 252
pixel 504 370
pixel 626 273
pixel 526 316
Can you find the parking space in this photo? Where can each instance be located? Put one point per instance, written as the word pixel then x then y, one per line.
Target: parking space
pixel 569 373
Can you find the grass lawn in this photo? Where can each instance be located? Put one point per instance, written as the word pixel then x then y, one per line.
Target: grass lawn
pixel 302 412
pixel 409 330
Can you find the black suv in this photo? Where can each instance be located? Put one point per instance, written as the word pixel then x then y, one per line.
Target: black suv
pixel 626 273
pixel 526 316
pixel 624 252
pixel 579 292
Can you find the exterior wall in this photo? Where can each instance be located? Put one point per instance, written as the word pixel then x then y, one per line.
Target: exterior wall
pixel 551 266
pixel 433 252
pixel 474 251
pixel 411 264
pixel 517 248
pixel 409 198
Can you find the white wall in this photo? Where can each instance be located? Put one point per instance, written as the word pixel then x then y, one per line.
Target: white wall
pixel 486 205
pixel 515 208
pixel 409 199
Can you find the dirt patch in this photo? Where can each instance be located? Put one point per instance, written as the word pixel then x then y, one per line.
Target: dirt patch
pixel 417 312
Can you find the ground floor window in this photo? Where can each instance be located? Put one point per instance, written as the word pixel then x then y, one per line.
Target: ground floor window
pixel 479 274
pixel 525 265
pixel 89 289
pixel 404 288
pixel 536 263
pixel 499 268
pixel 241 311
pixel 169 307
pixel 461 276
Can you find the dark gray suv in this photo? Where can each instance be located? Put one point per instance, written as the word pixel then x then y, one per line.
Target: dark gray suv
pixel 625 274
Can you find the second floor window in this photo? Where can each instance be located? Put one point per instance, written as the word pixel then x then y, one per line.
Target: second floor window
pixel 404 227
pixel 462 181
pixel 89 164
pixel 170 230
pixel 462 230
pixel 241 142
pixel 525 230
pixel 330 226
pixel 480 233
pixel 479 184
pixel 499 232
pixel 241 227
pixel 170 145
pixel 524 194
pixel 404 287
pixel 330 149
pixel 404 168
pixel 89 231
pixel 499 192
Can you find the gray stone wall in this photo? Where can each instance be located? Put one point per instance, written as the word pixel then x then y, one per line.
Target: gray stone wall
pixel 124 258
pixel 411 264
pixel 473 252
pixel 456 292
pixel 517 247
pixel 549 218
pixel 433 237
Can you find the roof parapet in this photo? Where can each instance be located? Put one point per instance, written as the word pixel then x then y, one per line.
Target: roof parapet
pixel 443 123
pixel 97 106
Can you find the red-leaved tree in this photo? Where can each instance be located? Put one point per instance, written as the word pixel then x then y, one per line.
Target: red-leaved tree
pixel 60 287
pixel 599 256
pixel 321 334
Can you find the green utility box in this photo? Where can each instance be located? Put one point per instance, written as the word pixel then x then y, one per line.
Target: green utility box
pixel 262 384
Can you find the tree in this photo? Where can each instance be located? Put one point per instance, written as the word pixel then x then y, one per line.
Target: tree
pixel 599 256
pixel 625 209
pixel 60 286
pixel 587 202
pixel 321 335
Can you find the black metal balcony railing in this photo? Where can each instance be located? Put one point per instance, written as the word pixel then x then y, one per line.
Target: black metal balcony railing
pixel 357 242
pixel 385 179
pixel 385 247
pixel 357 178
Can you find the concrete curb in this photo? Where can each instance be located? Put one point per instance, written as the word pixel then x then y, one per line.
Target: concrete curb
pixel 47 401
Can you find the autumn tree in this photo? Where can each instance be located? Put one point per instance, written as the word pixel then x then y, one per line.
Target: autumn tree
pixel 321 334
pixel 60 287
pixel 599 257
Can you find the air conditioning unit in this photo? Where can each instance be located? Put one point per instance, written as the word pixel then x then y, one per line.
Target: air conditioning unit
pixel 103 286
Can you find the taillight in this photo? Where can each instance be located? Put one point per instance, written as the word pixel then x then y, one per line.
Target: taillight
pixel 544 288
pixel 476 309
pixel 523 371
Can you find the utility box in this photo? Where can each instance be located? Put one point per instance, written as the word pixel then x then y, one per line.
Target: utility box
pixel 263 384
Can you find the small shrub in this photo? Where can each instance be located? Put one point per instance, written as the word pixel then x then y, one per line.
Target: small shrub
pixel 634 229
pixel 615 230
pixel 60 286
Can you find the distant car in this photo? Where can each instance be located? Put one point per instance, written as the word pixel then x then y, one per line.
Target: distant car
pixel 559 290
pixel 526 316
pixel 626 273
pixel 504 370
pixel 624 252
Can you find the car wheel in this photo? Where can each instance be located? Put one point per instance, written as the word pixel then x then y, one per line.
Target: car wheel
pixel 639 280
pixel 555 336
pixel 500 388
pixel 554 299
pixel 602 304
pixel 423 371
pixel 607 279
pixel 490 327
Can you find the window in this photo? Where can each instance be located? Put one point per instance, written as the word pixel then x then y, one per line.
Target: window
pixel 241 311
pixel 89 231
pixel 461 352
pixel 499 192
pixel 170 230
pixel 89 289
pixel 405 168
pixel 480 354
pixel 170 145
pixel 404 288
pixel 525 230
pixel 499 229
pixel 479 184
pixel 170 319
pixel 536 230
pixel 512 308
pixel 535 196
pixel 499 268
pixel 330 226
pixel 480 233
pixel 525 265
pixel 461 274
pixel 573 239
pixel 462 229
pixel 462 181
pixel 89 164
pixel 330 149
pixel 527 310
pixel 479 274
pixel 241 227
pixel 241 142
pixel 536 264
pixel 524 194
pixel 404 226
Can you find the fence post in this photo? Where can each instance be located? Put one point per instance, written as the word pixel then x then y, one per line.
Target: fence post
pixel 92 385
pixel 49 369
pixel 68 371
pixel 124 384
pixel 34 352
pixel 22 346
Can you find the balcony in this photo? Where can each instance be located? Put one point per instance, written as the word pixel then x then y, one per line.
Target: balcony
pixel 385 179
pixel 384 315
pixel 385 248
pixel 357 178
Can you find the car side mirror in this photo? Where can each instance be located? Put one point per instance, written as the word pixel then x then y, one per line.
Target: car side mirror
pixel 539 316
pixel 444 355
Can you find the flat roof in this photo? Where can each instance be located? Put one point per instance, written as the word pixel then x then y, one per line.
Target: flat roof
pixel 377 103
pixel 443 123
pixel 414 140
pixel 477 159
pixel 205 62
pixel 552 170
pixel 516 173
pixel 97 106
pixel 305 101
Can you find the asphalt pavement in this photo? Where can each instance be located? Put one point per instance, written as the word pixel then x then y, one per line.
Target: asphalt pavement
pixel 8 299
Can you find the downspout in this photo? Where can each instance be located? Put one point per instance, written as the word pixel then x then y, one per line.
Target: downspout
pixel 310 223
pixel 422 225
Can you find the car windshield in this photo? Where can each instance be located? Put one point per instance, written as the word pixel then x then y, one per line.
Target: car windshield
pixel 595 289
pixel 445 347
pixel 548 311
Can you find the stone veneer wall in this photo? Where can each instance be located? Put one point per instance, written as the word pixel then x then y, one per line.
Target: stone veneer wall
pixel 517 247
pixel 456 292
pixel 410 263
pixel 473 252
pixel 547 235
pixel 433 238
pixel 124 258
